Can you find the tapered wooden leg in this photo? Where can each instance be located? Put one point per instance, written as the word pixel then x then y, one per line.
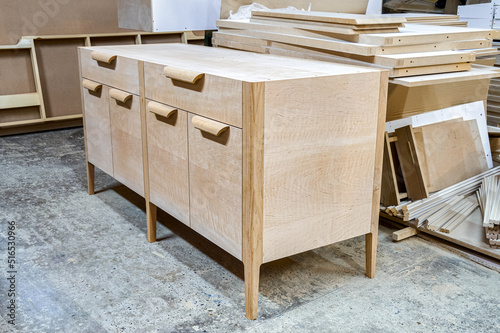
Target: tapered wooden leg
pixel 151 217
pixel 90 178
pixel 252 274
pixel 371 253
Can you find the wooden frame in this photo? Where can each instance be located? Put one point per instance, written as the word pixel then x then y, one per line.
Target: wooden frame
pixel 37 98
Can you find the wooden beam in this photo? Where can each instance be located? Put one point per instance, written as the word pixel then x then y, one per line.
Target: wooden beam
pixel 19 101
pixel 404 234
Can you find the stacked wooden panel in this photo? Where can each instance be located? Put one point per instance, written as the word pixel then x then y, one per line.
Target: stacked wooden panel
pixel 369 40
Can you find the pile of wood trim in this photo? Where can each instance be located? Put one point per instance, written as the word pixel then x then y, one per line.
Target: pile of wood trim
pixel 488 196
pixel 446 209
pixel 370 40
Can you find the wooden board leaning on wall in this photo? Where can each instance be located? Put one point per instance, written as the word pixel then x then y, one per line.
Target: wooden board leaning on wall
pixel 35 96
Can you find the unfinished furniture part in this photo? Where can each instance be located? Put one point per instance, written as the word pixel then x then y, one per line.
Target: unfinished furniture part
pixel 436 156
pixel 168 15
pixel 353 6
pixel 483 15
pixel 393 187
pixel 257 153
pixel 465 228
pixel 39 77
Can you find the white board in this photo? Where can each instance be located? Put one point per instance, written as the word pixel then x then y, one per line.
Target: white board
pixel 176 15
pixel 477 16
pixel 468 111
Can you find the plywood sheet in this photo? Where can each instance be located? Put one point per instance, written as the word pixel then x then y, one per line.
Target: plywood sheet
pixel 352 6
pixel 404 101
pixel 58 65
pixel 450 152
pixel 340 18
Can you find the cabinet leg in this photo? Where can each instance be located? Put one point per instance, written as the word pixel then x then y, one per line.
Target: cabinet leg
pixel 371 253
pixel 151 218
pixel 252 274
pixel 90 178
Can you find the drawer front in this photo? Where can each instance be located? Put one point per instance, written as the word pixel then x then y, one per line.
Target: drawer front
pixel 126 139
pixel 211 96
pixel 121 73
pixel 97 126
pixel 215 177
pixel 168 159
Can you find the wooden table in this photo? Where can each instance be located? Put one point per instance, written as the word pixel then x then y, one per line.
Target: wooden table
pixel 265 156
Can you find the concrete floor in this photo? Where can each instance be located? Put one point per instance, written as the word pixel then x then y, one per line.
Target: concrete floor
pixel 84 265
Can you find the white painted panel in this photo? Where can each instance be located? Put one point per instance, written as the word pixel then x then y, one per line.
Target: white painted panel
pixel 178 15
pixel 468 111
pixel 477 16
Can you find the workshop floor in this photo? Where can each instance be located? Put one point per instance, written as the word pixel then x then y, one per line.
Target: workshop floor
pixel 84 265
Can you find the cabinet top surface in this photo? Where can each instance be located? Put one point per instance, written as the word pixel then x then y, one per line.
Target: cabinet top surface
pixel 239 65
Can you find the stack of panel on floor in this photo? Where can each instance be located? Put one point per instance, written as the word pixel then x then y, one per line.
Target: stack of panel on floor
pixel 382 41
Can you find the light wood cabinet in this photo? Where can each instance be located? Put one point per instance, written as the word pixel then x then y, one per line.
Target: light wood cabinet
pixel 265 156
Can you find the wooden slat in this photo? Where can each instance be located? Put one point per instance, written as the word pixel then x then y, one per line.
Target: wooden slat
pixel 410 164
pixel 19 100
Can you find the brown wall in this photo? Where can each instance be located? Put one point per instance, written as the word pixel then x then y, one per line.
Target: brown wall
pixel 56 17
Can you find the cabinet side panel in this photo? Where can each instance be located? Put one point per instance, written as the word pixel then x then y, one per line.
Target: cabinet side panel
pixel 319 144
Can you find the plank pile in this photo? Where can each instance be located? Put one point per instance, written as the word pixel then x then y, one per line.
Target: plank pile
pixel 444 210
pixel 431 19
pixel 493 104
pixel 381 41
pixel 489 199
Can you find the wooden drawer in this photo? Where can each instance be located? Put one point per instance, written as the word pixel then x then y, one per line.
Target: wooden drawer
pixel 168 159
pixel 125 112
pixel 215 175
pixel 121 73
pixel 211 96
pixel 97 125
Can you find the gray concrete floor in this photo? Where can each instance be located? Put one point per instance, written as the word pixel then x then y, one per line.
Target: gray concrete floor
pixel 84 265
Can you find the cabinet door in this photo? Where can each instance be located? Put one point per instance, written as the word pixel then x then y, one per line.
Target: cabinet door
pixel 168 159
pixel 215 180
pixel 97 126
pixel 125 114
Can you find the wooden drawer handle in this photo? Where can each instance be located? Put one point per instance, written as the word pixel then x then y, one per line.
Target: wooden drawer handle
pixel 92 86
pixel 119 95
pixel 209 126
pixel 181 74
pixel 103 57
pixel 161 110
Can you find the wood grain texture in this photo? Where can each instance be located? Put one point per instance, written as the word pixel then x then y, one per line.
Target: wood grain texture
pixel 389 195
pixel 127 143
pixel 213 97
pixel 98 129
pixel 120 74
pixel 404 101
pixel 215 180
pixel 151 211
pixel 168 163
pixel 410 164
pixel 342 18
pixel 371 238
pixel 253 191
pixel 309 193
pixel 450 152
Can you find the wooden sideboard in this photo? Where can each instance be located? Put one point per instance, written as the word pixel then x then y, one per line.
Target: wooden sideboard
pixel 265 156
